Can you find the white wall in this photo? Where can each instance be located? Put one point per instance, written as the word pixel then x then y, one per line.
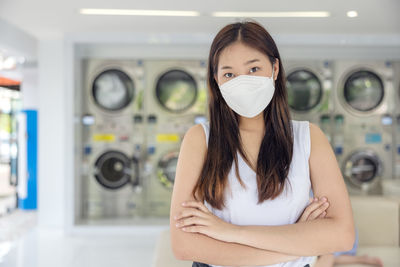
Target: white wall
pixel 51 136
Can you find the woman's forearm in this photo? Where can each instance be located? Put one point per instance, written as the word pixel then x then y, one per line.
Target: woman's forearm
pixel 317 237
pixel 201 248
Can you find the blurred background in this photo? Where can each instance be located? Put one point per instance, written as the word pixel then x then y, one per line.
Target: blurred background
pixel 95 97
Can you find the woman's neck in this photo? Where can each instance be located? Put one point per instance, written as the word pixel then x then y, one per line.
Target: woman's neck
pixel 255 124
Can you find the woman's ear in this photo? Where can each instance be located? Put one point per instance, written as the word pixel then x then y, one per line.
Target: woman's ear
pixel 276 69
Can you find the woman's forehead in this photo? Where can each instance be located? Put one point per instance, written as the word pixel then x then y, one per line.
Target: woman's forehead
pixel 238 49
pixel 240 54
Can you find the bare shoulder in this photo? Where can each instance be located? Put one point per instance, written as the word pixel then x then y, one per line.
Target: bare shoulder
pixel 192 153
pixel 195 136
pixel 316 134
pixel 320 145
pixel 321 150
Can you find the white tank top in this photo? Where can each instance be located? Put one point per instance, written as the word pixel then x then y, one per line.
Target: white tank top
pixel 242 208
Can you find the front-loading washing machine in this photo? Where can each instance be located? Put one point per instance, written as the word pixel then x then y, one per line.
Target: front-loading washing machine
pixel 176 99
pixel 309 86
pixel 113 137
pixel 364 103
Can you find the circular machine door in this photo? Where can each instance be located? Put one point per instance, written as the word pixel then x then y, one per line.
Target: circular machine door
pixel 363 90
pixel 167 169
pixel 176 90
pixel 113 169
pixel 304 90
pixel 113 90
pixel 363 168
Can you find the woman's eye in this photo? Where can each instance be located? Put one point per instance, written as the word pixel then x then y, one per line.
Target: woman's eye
pixel 225 75
pixel 253 69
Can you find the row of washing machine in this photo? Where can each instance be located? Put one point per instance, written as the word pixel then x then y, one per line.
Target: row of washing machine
pixel 135 113
pixel 357 105
pixel 134 116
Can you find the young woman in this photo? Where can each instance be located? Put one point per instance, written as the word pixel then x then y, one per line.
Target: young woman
pixel 244 178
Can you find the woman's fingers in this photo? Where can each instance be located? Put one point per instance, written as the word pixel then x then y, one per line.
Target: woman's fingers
pixel 314 209
pixel 313 206
pixel 318 211
pixel 190 221
pixel 195 229
pixel 307 211
pixel 189 212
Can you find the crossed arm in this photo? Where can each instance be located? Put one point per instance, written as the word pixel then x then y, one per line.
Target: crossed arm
pixel 308 238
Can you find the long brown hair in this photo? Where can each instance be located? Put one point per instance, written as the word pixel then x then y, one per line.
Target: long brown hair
pixel 275 154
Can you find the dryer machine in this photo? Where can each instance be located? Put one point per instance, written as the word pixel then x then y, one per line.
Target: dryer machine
pixel 309 85
pixel 112 139
pixel 176 99
pixel 364 104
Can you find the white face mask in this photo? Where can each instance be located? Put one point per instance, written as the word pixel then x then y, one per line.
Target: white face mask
pixel 248 95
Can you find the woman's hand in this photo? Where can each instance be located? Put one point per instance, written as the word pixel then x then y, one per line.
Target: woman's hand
pixel 196 218
pixel 316 209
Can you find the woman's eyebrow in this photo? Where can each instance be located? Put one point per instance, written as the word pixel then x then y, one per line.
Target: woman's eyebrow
pixel 248 62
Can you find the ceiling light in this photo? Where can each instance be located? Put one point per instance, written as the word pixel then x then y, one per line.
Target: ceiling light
pixel 290 14
pixel 137 12
pixel 7 63
pixel 352 14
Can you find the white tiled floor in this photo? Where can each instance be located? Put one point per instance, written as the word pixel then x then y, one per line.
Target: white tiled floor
pixel 36 247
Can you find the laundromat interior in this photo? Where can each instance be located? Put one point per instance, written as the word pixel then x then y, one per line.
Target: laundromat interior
pixel 96 97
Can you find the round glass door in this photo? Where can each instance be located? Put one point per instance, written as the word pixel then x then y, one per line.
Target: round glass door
pixel 363 168
pixel 113 90
pixel 176 90
pixel 304 90
pixel 113 169
pixel 363 90
pixel 167 168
